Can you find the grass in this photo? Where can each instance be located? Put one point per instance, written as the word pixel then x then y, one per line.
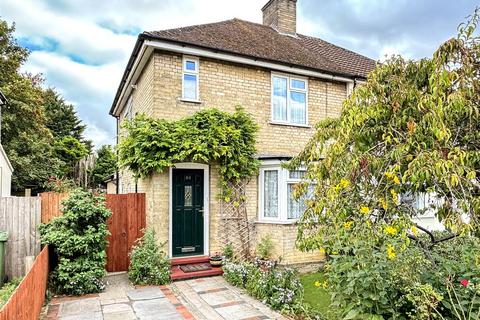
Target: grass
pixel 317 297
pixel 7 290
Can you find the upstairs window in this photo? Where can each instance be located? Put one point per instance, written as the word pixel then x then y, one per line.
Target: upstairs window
pixel 289 100
pixel 190 89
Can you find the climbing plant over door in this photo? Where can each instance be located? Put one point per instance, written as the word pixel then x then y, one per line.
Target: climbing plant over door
pixel 209 136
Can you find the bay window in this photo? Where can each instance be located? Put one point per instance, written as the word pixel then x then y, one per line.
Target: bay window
pixel 289 100
pixel 276 194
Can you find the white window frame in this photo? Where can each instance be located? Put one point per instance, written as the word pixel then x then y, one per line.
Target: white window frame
pixel 283 182
pixel 195 73
pixel 289 79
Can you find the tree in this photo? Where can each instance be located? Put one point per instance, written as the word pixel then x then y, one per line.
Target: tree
pixel 105 166
pixel 69 150
pixel 413 128
pixel 62 119
pixel 26 140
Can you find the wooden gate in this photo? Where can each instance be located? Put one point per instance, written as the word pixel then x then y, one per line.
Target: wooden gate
pixel 125 225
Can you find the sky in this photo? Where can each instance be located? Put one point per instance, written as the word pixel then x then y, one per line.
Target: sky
pixel 82 46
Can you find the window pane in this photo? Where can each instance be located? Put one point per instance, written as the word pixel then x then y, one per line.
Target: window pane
pixel 270 207
pixel 298 84
pixel 296 208
pixel 188 196
pixel 190 86
pixel 296 174
pixel 190 65
pixel 279 99
pixel 298 106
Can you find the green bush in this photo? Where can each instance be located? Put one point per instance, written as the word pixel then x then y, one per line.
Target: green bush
pixel 280 289
pixel 265 247
pixel 434 282
pixel 78 237
pixel 7 290
pixel 149 265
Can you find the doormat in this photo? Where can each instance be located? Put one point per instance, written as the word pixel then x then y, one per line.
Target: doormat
pixel 196 267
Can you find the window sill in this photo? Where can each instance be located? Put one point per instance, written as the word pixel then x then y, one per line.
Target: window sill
pixel 190 101
pixel 280 222
pixel 290 124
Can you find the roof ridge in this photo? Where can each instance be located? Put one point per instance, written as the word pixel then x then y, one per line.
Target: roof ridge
pixel 332 44
pixel 190 26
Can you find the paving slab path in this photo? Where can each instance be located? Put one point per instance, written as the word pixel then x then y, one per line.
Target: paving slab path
pixel 202 299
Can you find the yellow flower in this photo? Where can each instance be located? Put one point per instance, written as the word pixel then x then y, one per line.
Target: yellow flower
pixel 391 252
pixel 391 230
pixel 347 225
pixel 394 196
pixel 322 251
pixel 389 175
pixel 325 284
pixel 414 230
pixel 365 210
pixel 318 284
pixel 344 183
pixel 396 180
pixel 383 203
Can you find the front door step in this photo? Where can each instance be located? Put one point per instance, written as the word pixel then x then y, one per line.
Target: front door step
pixel 177 274
pixel 189 260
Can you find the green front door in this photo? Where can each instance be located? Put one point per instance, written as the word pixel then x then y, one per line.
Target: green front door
pixel 187 220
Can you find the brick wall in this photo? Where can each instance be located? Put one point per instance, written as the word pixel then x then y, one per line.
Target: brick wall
pixel 226 85
pixel 281 15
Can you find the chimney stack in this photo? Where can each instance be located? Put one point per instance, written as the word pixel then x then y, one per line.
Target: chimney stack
pixel 281 15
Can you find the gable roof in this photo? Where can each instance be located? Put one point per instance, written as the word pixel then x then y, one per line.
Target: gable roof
pixel 258 41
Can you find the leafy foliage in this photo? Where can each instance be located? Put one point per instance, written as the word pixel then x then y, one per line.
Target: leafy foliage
pixel 7 290
pixel 265 247
pixel 152 145
pixel 69 150
pixel 79 239
pixel 62 119
pixel 280 289
pixel 105 166
pixel 148 264
pixel 33 120
pixel 413 128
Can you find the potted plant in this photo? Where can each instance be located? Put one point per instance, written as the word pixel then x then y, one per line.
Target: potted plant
pixel 216 260
pixel 264 253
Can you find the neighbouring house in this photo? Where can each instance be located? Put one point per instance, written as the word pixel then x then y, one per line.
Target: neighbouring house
pixel 6 168
pixel 287 81
pixel 111 184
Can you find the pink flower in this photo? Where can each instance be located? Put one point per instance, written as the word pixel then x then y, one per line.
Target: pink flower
pixel 464 282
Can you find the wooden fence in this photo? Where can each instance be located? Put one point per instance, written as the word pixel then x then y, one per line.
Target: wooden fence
pixel 51 205
pixel 20 216
pixel 125 225
pixel 27 300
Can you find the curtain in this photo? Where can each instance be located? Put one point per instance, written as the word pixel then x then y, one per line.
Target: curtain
pixel 271 194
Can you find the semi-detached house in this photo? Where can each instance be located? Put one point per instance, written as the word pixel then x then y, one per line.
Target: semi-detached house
pixel 287 82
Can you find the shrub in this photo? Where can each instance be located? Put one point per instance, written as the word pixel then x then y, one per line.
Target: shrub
pixel 280 289
pixel 79 239
pixel 228 251
pixel 149 265
pixel 7 290
pixel 265 247
pixel 236 273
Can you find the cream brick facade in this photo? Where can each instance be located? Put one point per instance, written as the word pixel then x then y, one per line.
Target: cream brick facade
pixel 226 85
